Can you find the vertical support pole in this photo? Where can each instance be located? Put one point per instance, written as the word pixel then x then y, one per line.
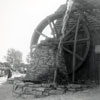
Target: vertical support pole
pixel 74 51
pixel 69 4
pixel 55 76
pixel 99 72
pixel 56 64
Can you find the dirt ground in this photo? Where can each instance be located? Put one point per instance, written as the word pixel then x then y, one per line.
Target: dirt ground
pixel 90 94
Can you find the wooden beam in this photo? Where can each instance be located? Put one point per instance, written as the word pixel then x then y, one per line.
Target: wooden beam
pixel 55 27
pixel 78 41
pixel 52 29
pixel 41 34
pixel 69 51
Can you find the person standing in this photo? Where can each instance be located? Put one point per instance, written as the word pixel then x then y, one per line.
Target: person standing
pixel 9 73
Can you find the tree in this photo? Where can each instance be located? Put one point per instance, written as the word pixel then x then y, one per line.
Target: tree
pixel 14 57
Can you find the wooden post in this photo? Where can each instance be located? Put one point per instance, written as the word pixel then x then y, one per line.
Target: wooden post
pixel 55 76
pixel 69 4
pixel 74 51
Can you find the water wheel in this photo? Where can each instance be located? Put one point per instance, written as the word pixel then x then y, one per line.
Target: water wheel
pixel 74 44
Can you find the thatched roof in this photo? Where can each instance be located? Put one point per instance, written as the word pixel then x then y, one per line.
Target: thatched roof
pixel 95 3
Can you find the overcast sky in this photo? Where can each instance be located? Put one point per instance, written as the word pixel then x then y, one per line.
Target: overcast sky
pixel 18 19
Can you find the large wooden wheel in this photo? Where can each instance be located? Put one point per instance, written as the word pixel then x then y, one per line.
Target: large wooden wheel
pixel 75 44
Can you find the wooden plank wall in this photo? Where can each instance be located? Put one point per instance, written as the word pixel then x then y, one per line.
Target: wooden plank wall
pixel 89 71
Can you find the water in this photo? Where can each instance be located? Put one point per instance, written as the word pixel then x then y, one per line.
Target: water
pixel 3 79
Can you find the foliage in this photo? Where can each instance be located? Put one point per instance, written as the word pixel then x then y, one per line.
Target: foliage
pixel 14 57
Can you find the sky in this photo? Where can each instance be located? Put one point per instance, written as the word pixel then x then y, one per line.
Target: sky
pixel 18 19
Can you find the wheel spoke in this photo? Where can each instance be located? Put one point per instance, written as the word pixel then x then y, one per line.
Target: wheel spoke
pixel 82 40
pixel 41 34
pixel 52 29
pixel 69 37
pixel 78 41
pixel 70 30
pixel 72 33
pixel 69 51
pixel 55 27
